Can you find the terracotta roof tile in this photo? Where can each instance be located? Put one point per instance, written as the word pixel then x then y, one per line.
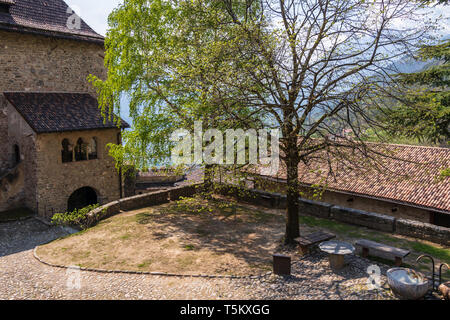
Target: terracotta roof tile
pixel 59 112
pixel 44 16
pixel 409 175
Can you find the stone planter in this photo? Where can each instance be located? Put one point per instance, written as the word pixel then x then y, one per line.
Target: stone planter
pixel 408 284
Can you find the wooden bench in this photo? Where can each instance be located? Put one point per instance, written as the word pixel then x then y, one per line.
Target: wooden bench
pixel 381 250
pixel 306 242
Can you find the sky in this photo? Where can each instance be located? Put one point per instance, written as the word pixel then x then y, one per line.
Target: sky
pixel 94 12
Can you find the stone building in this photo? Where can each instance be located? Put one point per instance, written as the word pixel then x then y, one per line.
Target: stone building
pixel 406 184
pixel 53 154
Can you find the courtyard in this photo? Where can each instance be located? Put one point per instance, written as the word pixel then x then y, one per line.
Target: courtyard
pixel 196 245
pixel 23 277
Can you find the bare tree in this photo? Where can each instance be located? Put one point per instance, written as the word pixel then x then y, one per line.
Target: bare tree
pixel 314 66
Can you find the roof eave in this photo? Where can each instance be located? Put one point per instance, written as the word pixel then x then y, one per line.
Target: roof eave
pixel 52 34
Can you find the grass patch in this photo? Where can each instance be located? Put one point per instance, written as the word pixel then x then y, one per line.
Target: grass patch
pixel 329 224
pixel 189 247
pixel 145 264
pixel 351 233
pixel 15 214
pixel 145 218
pixel 168 239
pixel 441 254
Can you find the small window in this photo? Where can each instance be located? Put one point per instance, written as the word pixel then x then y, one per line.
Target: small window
pixel 16 154
pixel 4 8
pixel 80 150
pixel 67 151
pixel 93 149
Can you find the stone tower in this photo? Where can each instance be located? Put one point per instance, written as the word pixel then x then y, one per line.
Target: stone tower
pixel 53 154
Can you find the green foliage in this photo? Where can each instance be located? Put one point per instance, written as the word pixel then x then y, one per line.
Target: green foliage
pixel 424 109
pixel 75 218
pixel 166 57
pixel 198 205
pixel 444 174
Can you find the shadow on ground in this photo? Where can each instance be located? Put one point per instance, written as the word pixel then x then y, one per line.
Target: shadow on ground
pixel 25 235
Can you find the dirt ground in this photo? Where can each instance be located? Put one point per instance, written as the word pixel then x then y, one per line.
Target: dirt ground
pixel 177 239
pixel 191 237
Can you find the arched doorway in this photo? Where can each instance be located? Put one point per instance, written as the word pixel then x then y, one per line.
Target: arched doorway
pixel 82 198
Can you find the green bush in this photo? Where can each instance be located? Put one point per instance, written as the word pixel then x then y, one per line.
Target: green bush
pixel 77 218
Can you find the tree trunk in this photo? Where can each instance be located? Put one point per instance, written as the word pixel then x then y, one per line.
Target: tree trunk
pixel 208 181
pixel 292 220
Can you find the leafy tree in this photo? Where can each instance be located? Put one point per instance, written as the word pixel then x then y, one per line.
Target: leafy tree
pixel 423 112
pixel 309 65
pixel 166 56
pixel 318 61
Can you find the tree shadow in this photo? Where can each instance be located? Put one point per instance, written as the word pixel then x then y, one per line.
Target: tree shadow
pixel 20 236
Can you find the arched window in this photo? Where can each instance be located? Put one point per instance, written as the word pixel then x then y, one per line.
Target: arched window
pixel 66 152
pixel 80 151
pixel 93 149
pixel 16 154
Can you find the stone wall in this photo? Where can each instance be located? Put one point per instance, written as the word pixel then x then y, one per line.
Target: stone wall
pixel 138 202
pixel 12 192
pixel 4 145
pixel 361 218
pixel 37 63
pixel 185 191
pixel 423 231
pixel 44 64
pixel 315 208
pixel 375 221
pixel 346 200
pixel 56 181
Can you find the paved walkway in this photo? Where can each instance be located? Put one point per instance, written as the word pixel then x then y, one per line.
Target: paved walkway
pixel 23 277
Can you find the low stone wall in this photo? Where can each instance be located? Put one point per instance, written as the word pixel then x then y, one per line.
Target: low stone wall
pixel 315 208
pixel 361 218
pixel 137 202
pixel 144 200
pixel 424 231
pixel 324 210
pixel 258 197
pixel 185 191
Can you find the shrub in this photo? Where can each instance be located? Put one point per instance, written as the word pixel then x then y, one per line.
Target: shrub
pixel 77 218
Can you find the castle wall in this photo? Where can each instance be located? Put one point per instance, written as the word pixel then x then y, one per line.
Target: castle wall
pixel 21 134
pixel 34 63
pixel 43 64
pixel 56 181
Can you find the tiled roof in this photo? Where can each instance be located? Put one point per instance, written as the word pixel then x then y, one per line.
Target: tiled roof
pixel 59 112
pixel 48 17
pixel 408 175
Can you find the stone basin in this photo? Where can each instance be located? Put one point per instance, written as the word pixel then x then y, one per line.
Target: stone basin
pixel 408 284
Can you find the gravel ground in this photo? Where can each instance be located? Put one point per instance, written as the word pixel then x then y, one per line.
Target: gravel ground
pixel 23 277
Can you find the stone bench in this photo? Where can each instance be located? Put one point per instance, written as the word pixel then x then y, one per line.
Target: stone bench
pixel 380 250
pixel 306 242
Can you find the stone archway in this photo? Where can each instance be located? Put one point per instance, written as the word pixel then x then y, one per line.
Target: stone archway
pixel 82 198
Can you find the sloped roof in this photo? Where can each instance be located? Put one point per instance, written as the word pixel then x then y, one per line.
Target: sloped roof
pixel 408 174
pixel 60 112
pixel 47 17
